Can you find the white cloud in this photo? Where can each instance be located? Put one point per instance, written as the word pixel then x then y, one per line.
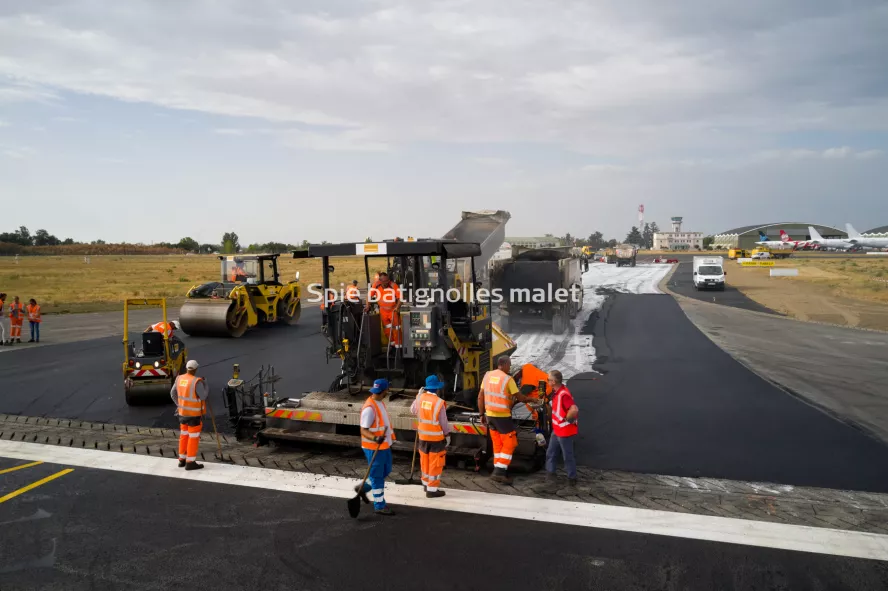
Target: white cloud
pixel 20 152
pixel 68 119
pixel 833 153
pixel 605 168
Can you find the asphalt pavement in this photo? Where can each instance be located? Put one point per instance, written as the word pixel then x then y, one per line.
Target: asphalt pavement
pixel 97 530
pixel 84 380
pixel 682 283
pixel 669 401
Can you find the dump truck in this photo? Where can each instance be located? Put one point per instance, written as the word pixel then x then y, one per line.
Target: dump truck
pixel 625 255
pixel 487 227
pixel 529 285
pixel 610 255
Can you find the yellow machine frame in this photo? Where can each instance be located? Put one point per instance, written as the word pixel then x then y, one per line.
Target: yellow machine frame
pixel 171 362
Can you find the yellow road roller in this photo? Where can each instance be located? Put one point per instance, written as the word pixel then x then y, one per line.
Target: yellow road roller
pixel 249 293
pixel 150 369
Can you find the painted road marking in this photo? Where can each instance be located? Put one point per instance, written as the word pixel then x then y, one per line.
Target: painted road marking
pixel 644 521
pixel 14 468
pixel 34 485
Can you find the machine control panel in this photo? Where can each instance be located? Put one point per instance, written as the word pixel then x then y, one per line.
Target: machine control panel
pixel 422 329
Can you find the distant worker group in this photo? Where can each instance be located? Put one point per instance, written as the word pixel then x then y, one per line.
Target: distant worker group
pixel 17 312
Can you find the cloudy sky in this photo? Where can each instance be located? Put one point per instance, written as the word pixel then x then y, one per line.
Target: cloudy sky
pixel 334 120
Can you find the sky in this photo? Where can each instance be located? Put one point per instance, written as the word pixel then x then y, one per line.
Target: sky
pixel 146 121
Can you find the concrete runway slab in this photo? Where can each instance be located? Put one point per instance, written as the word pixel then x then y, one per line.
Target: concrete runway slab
pixel 95 529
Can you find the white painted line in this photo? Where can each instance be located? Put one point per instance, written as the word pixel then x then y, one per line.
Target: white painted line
pixel 644 521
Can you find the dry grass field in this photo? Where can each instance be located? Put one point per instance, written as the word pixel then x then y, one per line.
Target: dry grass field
pixel 65 284
pixel 842 290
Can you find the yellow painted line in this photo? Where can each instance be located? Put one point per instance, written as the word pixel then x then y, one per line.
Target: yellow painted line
pixel 14 468
pixel 34 485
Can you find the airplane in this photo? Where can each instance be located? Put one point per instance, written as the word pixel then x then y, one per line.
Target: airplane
pixel 855 237
pixel 796 244
pixel 837 243
pixel 765 241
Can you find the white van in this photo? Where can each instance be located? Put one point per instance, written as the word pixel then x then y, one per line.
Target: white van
pixel 709 273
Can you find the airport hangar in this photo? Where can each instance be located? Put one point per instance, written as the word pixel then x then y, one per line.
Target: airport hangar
pixel 747 236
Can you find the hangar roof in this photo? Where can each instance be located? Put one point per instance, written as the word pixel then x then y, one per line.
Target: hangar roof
pixel 748 229
pixel 879 230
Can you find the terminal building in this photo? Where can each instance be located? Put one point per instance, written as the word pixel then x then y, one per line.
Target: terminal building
pixel 678 239
pixel 747 236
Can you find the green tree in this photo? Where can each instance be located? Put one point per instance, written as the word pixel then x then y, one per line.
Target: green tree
pixel 96 242
pixel 648 236
pixel 44 238
pixel 707 242
pixel 596 240
pixel 68 241
pixel 188 244
pixel 230 243
pixel 634 236
pixel 611 243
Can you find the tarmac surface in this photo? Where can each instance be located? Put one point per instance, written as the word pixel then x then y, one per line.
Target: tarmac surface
pixel 682 283
pixel 164 533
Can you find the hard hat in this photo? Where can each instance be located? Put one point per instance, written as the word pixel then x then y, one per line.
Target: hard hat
pixel 192 364
pixel 379 386
pixel 176 325
pixel 433 383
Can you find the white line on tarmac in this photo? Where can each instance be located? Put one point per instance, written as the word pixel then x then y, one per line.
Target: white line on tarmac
pixel 644 521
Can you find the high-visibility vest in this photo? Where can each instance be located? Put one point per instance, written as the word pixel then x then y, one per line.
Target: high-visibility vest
pixel 34 313
pixel 496 400
pixel 190 405
pixel 387 297
pixel 330 299
pixel 353 294
pixel 15 311
pixel 428 427
pixel 560 426
pixel 380 423
pixel 162 327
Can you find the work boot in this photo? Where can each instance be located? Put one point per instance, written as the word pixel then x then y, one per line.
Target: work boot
pixel 193 466
pixel 384 511
pixel 572 483
pixel 31 340
pixel 435 494
pixel 181 463
pixel 500 475
pixel 550 487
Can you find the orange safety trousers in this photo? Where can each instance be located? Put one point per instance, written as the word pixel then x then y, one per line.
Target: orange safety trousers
pixel 15 328
pixel 391 326
pixel 504 445
pixel 432 459
pixel 189 439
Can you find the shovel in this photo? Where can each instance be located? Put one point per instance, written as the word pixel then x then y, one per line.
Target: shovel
pixel 412 464
pixel 354 504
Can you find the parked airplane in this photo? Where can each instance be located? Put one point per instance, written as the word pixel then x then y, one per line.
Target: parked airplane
pixel 765 241
pixel 837 243
pixel 855 237
pixel 797 244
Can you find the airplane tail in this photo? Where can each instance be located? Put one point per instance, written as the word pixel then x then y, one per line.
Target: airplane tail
pixel 784 236
pixel 763 237
pixel 852 233
pixel 815 235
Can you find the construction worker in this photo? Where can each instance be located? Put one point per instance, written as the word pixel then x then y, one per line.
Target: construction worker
pixel 16 319
pixel 237 272
pixel 498 394
pixel 2 323
pixel 190 392
pixel 169 328
pixel 388 296
pixel 564 432
pixel 352 293
pixel 35 319
pixel 433 432
pixel 377 434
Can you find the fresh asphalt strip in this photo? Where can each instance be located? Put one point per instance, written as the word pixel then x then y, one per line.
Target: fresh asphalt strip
pixel 645 521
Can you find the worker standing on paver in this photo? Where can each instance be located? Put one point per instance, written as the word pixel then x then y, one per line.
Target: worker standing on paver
pixel 497 396
pixel 377 436
pixel 189 392
pixel 352 293
pixel 388 296
pixel 564 432
pixel 433 431
pixel 16 319
pixel 35 319
pixel 2 322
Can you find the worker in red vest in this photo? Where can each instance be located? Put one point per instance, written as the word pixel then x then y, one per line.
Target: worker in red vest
pixel 2 324
pixel 388 296
pixel 564 433
pixel 377 436
pixel 433 432
pixel 498 394
pixel 190 393
pixel 35 319
pixel 16 319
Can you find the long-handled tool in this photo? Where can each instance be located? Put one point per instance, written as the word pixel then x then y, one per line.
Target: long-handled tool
pixel 412 464
pixel 354 504
pixel 219 455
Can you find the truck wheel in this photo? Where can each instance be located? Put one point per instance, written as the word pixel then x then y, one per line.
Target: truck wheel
pixel 558 323
pixel 632 264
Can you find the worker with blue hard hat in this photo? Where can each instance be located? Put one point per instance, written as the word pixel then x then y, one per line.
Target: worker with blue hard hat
pixel 433 432
pixel 377 436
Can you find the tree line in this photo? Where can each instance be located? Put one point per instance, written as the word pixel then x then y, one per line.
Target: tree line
pixel 643 238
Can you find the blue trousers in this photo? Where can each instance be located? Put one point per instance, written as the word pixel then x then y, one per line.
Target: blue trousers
pixel 35 331
pixel 563 446
pixel 381 467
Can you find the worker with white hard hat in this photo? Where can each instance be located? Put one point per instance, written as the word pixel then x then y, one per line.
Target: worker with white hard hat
pixel 189 392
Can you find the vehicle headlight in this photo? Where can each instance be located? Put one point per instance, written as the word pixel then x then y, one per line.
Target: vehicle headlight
pixel 157 364
pixel 138 365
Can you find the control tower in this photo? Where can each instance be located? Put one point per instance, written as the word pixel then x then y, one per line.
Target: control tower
pixel 676 224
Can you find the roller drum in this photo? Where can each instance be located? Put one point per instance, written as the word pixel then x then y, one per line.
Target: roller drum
pixel 211 318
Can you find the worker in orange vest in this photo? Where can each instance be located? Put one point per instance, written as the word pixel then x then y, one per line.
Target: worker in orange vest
pixel 352 293
pixel 167 328
pixel 16 319
pixel 189 393
pixel 2 323
pixel 498 394
pixel 433 432
pixel 377 435
pixel 35 319
pixel 388 296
